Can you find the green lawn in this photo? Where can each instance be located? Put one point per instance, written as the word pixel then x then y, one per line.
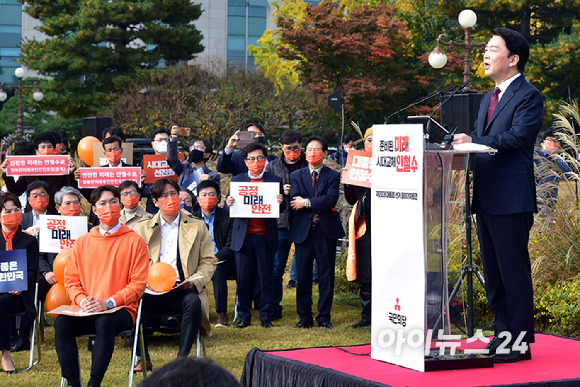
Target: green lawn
pixel 227 346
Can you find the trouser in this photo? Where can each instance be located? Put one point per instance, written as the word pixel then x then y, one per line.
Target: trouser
pixel 294 270
pixel 10 304
pixel 280 260
pixel 104 326
pixel 365 299
pixel 223 271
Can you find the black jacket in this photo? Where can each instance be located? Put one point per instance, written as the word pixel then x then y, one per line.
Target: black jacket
pixel 222 230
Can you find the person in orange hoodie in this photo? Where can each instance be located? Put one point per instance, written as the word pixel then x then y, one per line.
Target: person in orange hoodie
pixel 107 269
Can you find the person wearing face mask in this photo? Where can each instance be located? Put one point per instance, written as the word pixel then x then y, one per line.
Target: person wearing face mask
pixel 38 198
pixel 13 238
pixel 106 268
pixel 292 159
pixel 183 241
pixel 316 227
pixel 187 199
pixel 341 155
pixel 232 160
pixel 44 145
pixel 193 170
pixel 219 224
pixel 159 140
pixel 255 241
pixel 132 212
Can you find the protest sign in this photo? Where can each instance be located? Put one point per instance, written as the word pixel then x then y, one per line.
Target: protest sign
pixel 60 232
pixel 13 271
pixel 36 165
pixel 357 170
pixel 156 167
pixel 95 177
pixel 254 200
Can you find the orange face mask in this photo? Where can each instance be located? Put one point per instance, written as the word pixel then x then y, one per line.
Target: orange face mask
pixel 109 214
pixel 292 155
pixel 45 152
pixel 368 146
pixel 314 157
pixel 207 203
pixel 57 150
pixel 38 204
pixel 130 201
pixel 71 210
pixel 256 167
pixel 13 220
pixel 114 156
pixel 170 205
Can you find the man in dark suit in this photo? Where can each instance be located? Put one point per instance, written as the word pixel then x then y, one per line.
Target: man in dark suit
pixel 255 240
pixel 504 194
pixel 219 224
pixel 38 198
pixel 316 227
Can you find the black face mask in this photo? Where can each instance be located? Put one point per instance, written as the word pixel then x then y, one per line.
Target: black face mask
pixel 195 156
pixel 261 139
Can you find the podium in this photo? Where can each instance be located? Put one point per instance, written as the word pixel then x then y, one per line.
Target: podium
pixel 410 197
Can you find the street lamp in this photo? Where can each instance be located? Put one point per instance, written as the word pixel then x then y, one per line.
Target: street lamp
pixel 37 96
pixel 437 59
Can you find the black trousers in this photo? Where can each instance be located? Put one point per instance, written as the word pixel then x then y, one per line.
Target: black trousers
pixel 10 304
pixel 317 247
pixel 104 326
pixel 224 270
pixel 184 302
pixel 506 266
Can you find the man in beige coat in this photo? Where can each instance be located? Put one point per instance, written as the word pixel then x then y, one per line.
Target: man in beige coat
pixel 177 238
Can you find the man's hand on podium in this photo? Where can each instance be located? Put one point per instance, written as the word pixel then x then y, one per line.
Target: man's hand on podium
pixel 461 139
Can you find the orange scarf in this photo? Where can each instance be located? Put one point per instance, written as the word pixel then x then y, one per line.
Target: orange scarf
pixel 8 238
pixel 354 232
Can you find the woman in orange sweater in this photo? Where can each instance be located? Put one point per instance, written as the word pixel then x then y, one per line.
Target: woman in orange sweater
pixel 107 269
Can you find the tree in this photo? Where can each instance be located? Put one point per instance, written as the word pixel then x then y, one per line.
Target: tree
pixel 95 47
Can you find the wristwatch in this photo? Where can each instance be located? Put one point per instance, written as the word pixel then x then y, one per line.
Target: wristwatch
pixel 110 303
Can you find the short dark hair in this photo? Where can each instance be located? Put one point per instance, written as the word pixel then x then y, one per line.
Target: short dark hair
pixel 114 131
pixel 112 139
pixel 322 141
pixel 516 44
pixel 9 197
pixel 44 137
pixel 24 148
pixel 36 185
pixel 127 184
pixel 550 133
pixel 349 137
pixel 206 143
pixel 208 183
pixel 256 124
pixel 56 135
pixel 255 146
pixel 159 131
pixel 190 372
pixel 96 194
pixel 290 136
pixel 158 187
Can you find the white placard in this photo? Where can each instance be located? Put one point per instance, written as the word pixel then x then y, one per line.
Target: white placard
pixel 254 200
pixel 398 256
pixel 60 232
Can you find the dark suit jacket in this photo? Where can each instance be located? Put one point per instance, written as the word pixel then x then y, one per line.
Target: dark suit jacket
pixel 504 182
pixel 240 225
pixel 234 163
pixel 22 240
pixel 322 203
pixel 55 183
pixel 222 232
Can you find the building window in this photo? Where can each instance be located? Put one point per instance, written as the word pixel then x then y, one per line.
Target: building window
pixel 247 20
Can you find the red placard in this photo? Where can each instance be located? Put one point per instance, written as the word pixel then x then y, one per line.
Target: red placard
pixel 156 167
pixel 358 169
pixel 95 177
pixel 37 165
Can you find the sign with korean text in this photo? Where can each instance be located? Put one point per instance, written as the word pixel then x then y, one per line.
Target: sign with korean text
pixel 13 271
pixel 156 167
pixel 99 158
pixel 95 177
pixel 36 165
pixel 254 200
pixel 358 169
pixel 60 232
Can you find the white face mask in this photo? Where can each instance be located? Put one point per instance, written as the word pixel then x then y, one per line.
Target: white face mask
pixel 161 147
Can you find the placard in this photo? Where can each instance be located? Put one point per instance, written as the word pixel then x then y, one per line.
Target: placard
pixel 37 165
pixel 13 271
pixel 156 167
pixel 99 158
pixel 95 177
pixel 254 200
pixel 357 170
pixel 60 232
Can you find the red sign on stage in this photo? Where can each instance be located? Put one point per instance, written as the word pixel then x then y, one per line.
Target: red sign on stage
pixel 156 167
pixel 36 165
pixel 357 170
pixel 95 177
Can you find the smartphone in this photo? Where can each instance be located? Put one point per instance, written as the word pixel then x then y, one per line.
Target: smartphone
pixel 184 132
pixel 244 138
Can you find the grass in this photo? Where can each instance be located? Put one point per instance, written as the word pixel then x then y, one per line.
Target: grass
pixel 227 346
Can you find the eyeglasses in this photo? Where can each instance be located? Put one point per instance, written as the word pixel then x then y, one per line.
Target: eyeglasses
pixel 292 148
pixel 254 159
pixel 39 195
pixel 187 202
pixel 129 193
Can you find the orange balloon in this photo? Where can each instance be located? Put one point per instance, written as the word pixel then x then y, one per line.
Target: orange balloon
pixel 85 149
pixel 56 297
pixel 162 276
pixel 58 265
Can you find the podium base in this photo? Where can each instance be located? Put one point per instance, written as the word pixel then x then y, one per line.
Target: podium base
pixel 458 361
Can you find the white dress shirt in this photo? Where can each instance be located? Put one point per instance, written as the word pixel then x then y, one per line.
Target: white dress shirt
pixel 169 240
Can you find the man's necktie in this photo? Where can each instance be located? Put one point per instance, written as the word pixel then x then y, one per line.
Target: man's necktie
pixel 314 178
pixel 493 103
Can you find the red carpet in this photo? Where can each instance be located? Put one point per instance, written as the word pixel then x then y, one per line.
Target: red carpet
pixel 553 358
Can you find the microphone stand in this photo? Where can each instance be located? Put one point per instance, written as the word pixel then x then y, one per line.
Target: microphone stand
pixel 419 101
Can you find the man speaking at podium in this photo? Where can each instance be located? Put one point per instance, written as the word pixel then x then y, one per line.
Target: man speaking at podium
pixel 504 193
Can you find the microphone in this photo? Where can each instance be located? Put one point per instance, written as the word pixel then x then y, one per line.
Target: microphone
pixel 420 100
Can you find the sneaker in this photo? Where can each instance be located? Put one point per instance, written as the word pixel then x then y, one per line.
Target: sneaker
pixel 222 320
pixel 291 284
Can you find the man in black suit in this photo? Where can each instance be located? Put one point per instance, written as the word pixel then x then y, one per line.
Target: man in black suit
pixel 38 198
pixel 316 227
pixel 504 194
pixel 219 224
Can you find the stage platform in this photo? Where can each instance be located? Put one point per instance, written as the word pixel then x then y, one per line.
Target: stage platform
pixel 555 362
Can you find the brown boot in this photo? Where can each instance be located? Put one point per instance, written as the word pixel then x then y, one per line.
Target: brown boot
pixel 222 320
pixel 139 365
